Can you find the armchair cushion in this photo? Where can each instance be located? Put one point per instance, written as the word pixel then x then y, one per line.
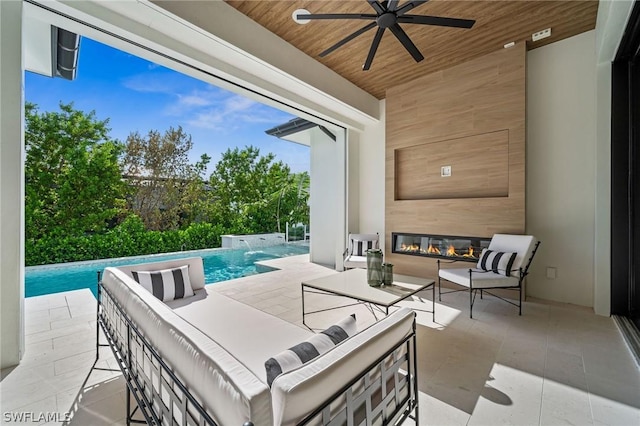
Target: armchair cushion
pixel 481 279
pixel 497 261
pixel 355 262
pixel 521 244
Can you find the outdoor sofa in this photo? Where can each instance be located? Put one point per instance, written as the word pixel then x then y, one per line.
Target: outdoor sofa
pixel 201 360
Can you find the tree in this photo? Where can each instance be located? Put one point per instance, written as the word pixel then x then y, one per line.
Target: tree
pixel 73 179
pixel 165 185
pixel 293 200
pixel 254 193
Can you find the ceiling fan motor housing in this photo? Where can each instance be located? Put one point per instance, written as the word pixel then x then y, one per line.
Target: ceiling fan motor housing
pixel 386 20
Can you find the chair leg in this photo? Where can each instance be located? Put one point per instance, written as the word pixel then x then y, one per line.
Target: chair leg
pixel 480 293
pixel 520 303
pixel 439 288
pixel 470 295
pixel 433 304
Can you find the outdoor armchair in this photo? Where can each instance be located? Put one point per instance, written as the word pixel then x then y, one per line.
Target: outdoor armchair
pixel 503 265
pixel 355 255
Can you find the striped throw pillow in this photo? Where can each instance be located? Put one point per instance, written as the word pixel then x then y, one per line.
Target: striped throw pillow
pixel 166 284
pixel 313 347
pixel 360 247
pixel 496 261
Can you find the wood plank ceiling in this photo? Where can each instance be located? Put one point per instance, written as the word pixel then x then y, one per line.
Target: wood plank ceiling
pixel 497 22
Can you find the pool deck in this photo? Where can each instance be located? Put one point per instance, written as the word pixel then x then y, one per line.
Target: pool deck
pixel 556 364
pixel 56 375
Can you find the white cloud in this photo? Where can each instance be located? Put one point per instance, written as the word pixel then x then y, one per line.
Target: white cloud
pixel 232 112
pixel 159 80
pixel 206 107
pixel 194 100
pixel 147 84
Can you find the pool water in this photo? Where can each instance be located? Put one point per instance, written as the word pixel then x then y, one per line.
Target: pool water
pixel 219 265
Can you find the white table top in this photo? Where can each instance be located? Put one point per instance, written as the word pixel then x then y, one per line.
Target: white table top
pixel 353 283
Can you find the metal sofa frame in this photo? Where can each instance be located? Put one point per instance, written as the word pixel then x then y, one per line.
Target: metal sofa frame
pixel 163 399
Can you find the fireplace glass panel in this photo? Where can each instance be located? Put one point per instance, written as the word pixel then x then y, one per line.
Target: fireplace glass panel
pixel 440 246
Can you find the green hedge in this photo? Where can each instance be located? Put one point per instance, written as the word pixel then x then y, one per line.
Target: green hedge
pixel 127 239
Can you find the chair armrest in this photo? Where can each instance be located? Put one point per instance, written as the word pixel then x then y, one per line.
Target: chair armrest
pixel 478 271
pixel 439 261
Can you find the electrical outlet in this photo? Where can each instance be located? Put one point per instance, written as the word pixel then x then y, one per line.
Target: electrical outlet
pixel 445 171
pixel 551 273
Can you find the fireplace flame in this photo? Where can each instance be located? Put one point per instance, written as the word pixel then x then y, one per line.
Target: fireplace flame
pixel 470 253
pixel 433 250
pixel 410 247
pixel 451 251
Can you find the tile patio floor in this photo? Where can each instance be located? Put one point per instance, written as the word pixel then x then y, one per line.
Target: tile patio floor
pixel 554 365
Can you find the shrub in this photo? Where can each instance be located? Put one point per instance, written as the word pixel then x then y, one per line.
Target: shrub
pixel 127 239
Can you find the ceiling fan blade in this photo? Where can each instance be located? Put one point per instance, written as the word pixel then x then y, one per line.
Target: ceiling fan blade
pixel 303 16
pixel 408 6
pixel 436 20
pixel 392 5
pixel 377 6
pixel 374 48
pixel 348 39
pixel 406 42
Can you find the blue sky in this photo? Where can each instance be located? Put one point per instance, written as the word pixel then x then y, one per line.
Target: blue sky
pixel 138 95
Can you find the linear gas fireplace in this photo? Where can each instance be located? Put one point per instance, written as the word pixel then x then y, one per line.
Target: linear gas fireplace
pixel 439 246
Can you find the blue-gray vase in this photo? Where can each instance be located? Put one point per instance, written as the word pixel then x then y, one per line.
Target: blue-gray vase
pixel 374 267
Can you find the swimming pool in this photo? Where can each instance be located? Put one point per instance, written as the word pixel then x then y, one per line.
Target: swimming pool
pixel 219 265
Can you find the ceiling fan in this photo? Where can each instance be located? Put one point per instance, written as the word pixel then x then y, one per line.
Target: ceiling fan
pixel 388 16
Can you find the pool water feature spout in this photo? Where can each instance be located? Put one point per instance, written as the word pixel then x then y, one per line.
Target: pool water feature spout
pixel 250 251
pixel 246 243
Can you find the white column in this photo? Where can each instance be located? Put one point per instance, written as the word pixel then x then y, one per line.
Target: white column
pixel 602 258
pixel 372 178
pixel 11 185
pixel 328 198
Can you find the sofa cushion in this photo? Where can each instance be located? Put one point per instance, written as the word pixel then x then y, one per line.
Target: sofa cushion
pixel 251 335
pixel 316 345
pixel 496 261
pixel 166 284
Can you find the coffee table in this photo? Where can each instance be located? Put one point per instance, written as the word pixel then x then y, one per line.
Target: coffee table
pixel 353 284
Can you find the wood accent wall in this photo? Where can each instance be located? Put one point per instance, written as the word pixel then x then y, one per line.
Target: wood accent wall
pixel 471 117
pixel 482 172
